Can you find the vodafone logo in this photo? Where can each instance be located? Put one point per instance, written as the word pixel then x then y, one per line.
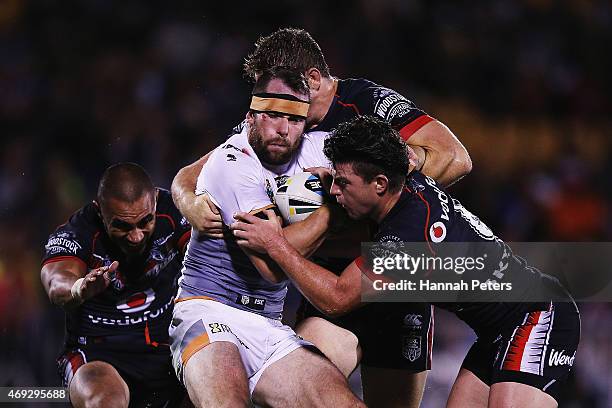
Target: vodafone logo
pixel 137 302
pixel 437 232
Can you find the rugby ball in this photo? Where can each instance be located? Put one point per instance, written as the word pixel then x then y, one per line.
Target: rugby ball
pixel 298 196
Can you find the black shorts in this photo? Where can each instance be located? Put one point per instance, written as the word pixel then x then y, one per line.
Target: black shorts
pixel 149 375
pixel 391 335
pixel 537 349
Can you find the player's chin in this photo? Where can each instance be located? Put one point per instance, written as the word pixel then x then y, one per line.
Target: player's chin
pixel 278 156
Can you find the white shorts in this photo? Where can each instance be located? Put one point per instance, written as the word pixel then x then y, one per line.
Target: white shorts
pixel 261 341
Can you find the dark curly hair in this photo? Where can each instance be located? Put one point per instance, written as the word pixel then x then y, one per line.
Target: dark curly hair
pixel 372 146
pixel 290 47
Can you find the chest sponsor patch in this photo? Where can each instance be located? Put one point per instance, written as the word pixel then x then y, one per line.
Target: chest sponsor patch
pixel 137 302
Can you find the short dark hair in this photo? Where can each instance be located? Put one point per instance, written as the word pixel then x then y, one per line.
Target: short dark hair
pixel 372 146
pixel 126 182
pixel 294 79
pixel 290 47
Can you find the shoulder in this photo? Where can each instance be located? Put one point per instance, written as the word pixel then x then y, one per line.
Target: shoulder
pixel 85 221
pixel 407 221
pixel 314 139
pixel 233 159
pixel 74 238
pixel 166 207
pixel 372 98
pixel 169 218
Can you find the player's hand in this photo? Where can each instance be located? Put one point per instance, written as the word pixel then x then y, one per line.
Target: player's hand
pixel 95 282
pixel 257 234
pixel 414 161
pixel 324 174
pixel 204 216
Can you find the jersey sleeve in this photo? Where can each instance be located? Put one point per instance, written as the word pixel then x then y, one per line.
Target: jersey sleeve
pixel 69 241
pixel 182 228
pixel 235 182
pixel 394 108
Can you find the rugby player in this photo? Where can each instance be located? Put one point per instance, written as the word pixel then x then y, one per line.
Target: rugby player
pixel 229 346
pixel 440 155
pixel 524 351
pixel 113 267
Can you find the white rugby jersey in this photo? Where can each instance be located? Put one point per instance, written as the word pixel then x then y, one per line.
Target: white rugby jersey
pixel 236 180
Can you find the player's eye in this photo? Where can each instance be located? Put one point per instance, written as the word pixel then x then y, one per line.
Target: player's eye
pixel 122 225
pixel 145 221
pixel 340 182
pixel 296 120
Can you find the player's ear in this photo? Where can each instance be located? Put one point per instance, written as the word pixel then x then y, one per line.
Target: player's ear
pixel 382 184
pixel 313 76
pixel 250 117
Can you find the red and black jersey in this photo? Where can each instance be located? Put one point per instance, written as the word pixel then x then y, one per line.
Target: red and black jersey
pixel 426 213
pixel 355 97
pixel 138 302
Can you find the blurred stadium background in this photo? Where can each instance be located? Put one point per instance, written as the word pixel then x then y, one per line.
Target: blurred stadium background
pixel 524 84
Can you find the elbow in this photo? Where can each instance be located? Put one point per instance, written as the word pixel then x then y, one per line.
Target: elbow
pixel 335 309
pixel 176 187
pixel 462 162
pixel 458 165
pixel 55 295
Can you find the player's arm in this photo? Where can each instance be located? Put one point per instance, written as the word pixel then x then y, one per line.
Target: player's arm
pixel 333 295
pixel 441 155
pixel 305 237
pixel 68 284
pixel 199 210
pixel 445 159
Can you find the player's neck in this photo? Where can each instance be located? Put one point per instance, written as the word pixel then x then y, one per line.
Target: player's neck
pixel 322 101
pixel 386 203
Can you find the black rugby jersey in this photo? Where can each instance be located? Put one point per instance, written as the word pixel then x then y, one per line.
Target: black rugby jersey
pixel 356 97
pixel 139 300
pixel 426 213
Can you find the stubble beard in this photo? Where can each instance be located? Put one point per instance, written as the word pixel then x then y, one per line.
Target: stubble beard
pixel 261 148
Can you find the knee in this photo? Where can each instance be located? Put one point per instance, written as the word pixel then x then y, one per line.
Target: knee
pixel 99 385
pixel 105 399
pixel 92 397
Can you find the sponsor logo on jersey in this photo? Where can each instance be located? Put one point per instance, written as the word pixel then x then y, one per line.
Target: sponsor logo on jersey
pixel 413 320
pixel 160 242
pixel 437 232
pixel 442 198
pixel 411 347
pixel 231 146
pixel 559 358
pixel 137 302
pixel 480 228
pixel 184 222
pixel 251 302
pixel 219 327
pixel 62 242
pixel 224 328
pixel 231 157
pixel 131 319
pixel 387 247
pixel 390 104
